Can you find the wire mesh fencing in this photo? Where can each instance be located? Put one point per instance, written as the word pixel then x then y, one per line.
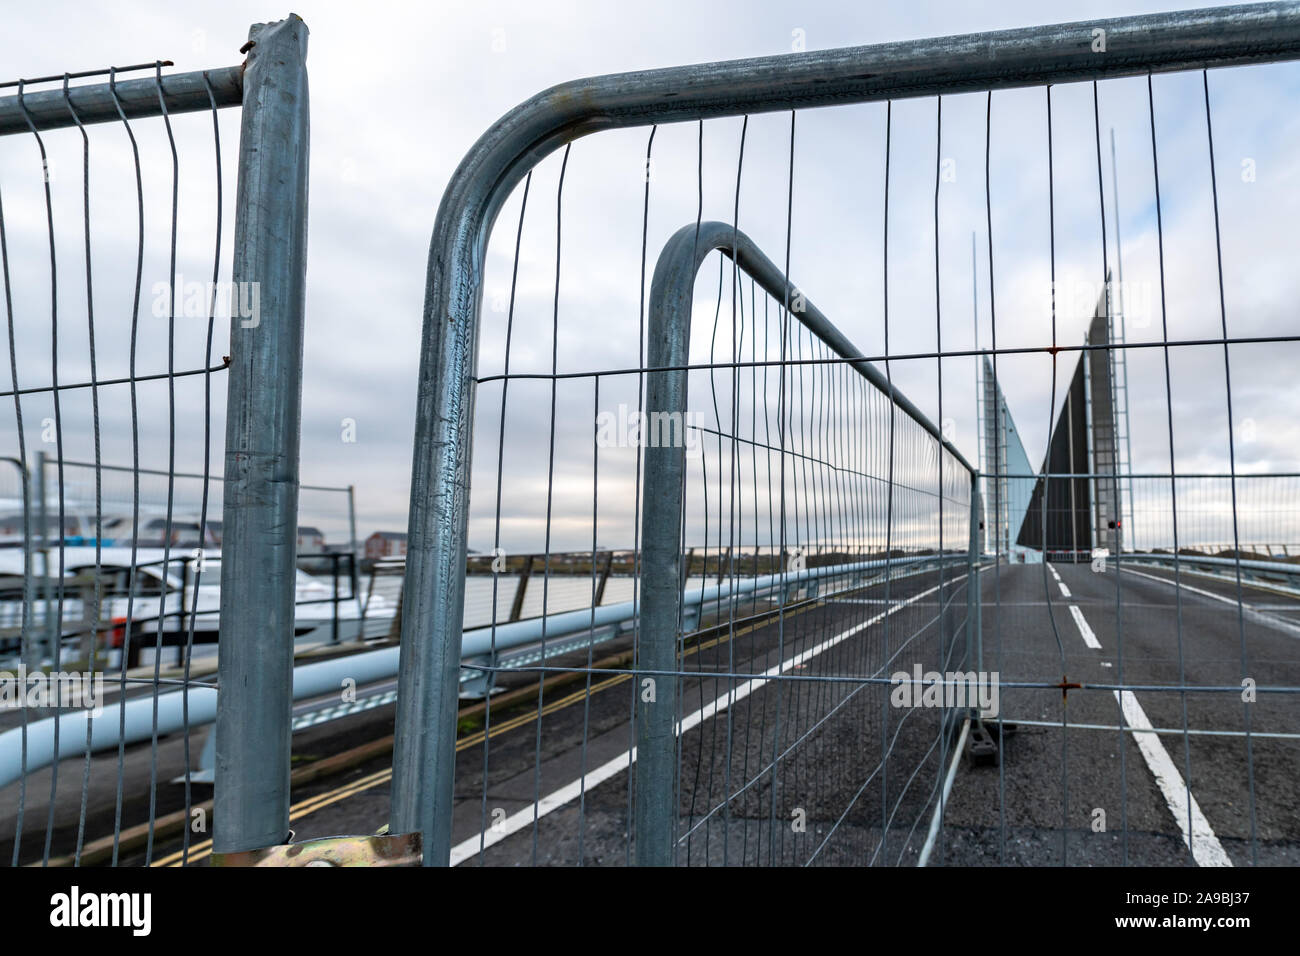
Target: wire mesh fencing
pixel 1141 606
pixel 831 607
pixel 721 586
pixel 84 392
pixel 817 494
pixel 115 240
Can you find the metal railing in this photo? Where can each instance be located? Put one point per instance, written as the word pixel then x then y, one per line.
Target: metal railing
pixel 760 721
pixel 263 382
pixel 662 597
pixel 424 774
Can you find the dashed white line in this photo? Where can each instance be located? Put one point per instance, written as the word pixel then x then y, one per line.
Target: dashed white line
pixel 1059 583
pixel 1089 638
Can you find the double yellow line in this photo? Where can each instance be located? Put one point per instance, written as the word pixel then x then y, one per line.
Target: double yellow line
pixel 203 850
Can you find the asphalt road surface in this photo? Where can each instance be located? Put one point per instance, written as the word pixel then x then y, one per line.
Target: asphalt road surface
pixel 1041 805
pixel 790 757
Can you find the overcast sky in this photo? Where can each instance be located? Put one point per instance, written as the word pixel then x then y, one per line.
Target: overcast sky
pixel 400 92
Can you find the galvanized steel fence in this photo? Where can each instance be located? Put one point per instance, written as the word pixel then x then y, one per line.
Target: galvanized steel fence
pixel 765 732
pixel 134 373
pixel 819 622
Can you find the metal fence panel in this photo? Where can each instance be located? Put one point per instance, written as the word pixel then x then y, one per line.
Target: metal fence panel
pixel 424 774
pixel 72 528
pixel 763 606
pixel 834 517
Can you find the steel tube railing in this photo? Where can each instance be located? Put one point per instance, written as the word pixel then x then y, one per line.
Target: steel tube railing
pixel 314 680
pixel 310 680
pixel 1189 560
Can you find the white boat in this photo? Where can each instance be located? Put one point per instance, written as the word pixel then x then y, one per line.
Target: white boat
pixel 191 602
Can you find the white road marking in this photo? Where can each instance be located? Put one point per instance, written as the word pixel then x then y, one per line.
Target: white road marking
pixel 1185 587
pixel 1200 838
pixel 937 818
pixel 1059 583
pixel 1249 611
pixel 522 819
pixel 1089 638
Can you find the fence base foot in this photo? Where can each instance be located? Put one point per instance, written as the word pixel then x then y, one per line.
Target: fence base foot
pixel 982 746
pixel 204 768
pixel 381 849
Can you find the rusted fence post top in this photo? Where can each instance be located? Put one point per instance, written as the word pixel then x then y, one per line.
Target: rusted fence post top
pixel 283 39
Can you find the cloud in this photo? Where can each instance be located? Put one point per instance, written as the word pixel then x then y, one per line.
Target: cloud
pixel 390 123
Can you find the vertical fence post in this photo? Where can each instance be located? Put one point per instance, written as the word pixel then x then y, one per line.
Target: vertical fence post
pixel 49 628
pixel 668 345
pixel 974 646
pixel 334 617
pixel 604 579
pixel 260 509
pixel 353 574
pixel 521 589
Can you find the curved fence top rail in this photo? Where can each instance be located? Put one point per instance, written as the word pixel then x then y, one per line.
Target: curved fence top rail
pixel 674 282
pixel 1004 59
